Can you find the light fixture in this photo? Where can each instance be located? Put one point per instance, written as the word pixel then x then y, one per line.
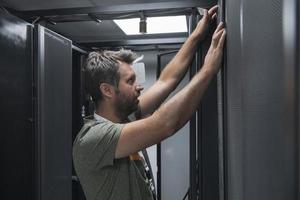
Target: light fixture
pixel 154 25
pixel 143 23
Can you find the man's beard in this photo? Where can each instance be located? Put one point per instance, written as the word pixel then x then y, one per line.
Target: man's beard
pixel 125 106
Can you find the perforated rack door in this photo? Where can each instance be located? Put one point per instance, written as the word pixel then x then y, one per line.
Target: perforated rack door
pixel 53 76
pixel 262 102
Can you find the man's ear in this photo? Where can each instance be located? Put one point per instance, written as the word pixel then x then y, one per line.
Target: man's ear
pixel 106 89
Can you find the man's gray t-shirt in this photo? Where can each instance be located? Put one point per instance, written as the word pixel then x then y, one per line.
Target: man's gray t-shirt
pixel 102 177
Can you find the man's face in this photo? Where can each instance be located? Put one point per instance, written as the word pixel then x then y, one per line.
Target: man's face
pixel 128 91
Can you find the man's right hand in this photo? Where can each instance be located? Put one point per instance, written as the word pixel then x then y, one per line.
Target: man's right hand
pixel 214 55
pixel 203 25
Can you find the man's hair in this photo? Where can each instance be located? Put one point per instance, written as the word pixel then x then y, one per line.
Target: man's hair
pixel 103 67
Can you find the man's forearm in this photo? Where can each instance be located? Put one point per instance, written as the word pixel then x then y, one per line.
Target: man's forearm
pixel 170 77
pixel 175 70
pixel 177 67
pixel 179 109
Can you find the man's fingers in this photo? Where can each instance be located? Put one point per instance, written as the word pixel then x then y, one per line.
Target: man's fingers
pixel 214 16
pixel 213 10
pixel 222 39
pixel 205 14
pixel 220 27
pixel 216 36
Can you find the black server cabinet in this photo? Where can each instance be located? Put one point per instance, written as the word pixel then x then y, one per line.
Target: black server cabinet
pixel 262 86
pixel 17 135
pixel 53 79
pixel 204 138
pixel 208 163
pixel 79 110
pixel 197 159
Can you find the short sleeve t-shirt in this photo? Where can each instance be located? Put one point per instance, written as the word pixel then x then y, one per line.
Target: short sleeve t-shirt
pixel 101 175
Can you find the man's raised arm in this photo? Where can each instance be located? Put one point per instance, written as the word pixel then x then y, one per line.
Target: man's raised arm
pixel 172 115
pixel 177 67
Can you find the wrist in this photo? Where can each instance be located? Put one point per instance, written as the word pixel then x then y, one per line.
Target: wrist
pixel 210 69
pixel 197 36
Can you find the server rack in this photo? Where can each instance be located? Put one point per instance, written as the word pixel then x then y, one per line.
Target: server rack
pixel 17 118
pixel 261 101
pixel 53 99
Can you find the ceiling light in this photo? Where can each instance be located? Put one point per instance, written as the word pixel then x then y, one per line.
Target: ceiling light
pixel 155 25
pixel 143 24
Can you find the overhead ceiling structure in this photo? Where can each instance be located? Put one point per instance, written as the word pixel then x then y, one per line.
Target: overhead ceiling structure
pixel 90 22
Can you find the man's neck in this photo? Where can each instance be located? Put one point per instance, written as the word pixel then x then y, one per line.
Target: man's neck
pixel 109 112
pixel 108 115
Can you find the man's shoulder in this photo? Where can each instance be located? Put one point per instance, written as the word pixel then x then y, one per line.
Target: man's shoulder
pixel 95 128
pixel 90 122
pixel 96 140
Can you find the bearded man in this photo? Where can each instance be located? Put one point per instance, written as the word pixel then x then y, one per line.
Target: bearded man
pixel 106 150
